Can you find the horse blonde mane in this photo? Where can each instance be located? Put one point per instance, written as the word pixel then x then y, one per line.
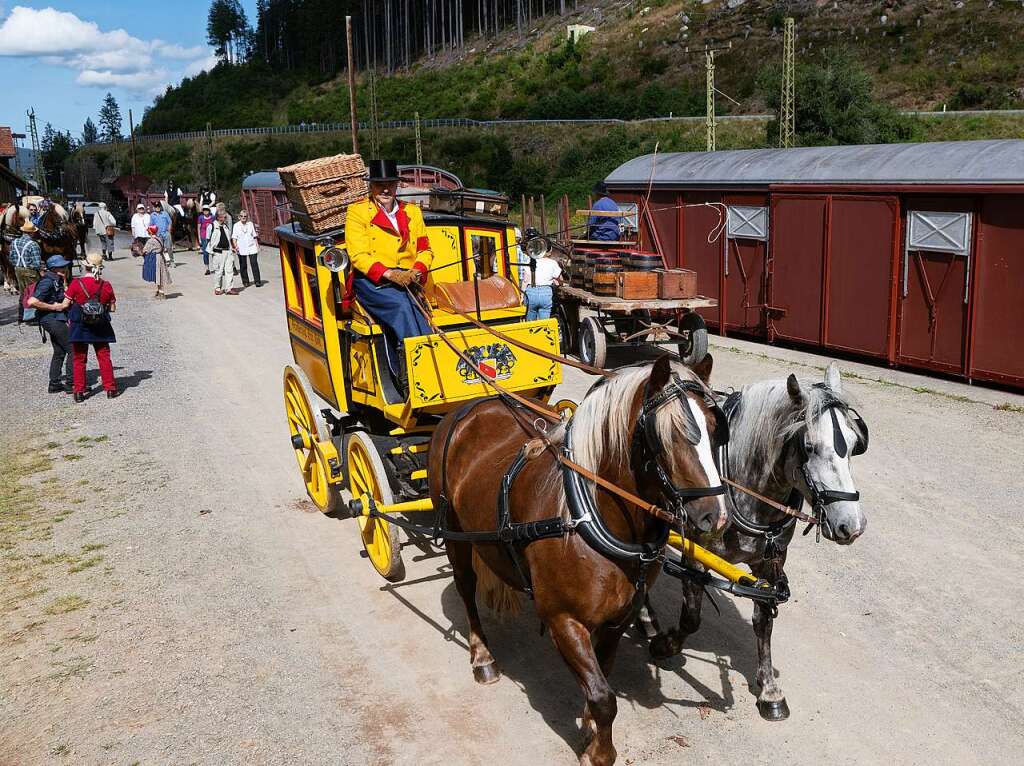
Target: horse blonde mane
pixel 766 420
pixel 12 213
pixel 601 426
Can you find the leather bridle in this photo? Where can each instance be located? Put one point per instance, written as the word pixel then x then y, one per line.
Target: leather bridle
pixel 648 450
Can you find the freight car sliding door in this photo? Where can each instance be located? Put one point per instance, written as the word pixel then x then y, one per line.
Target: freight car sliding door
pixel 861 269
pixel 699 254
pixel 997 340
pixel 797 262
pixel 744 273
pixel 934 302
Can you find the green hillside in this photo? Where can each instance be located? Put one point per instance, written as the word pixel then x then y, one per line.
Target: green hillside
pixel 920 54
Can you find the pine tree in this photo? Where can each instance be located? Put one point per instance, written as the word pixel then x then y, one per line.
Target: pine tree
pixel 110 119
pixel 90 133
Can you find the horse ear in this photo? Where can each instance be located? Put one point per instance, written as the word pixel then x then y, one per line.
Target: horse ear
pixel 661 373
pixel 833 379
pixel 703 369
pixel 793 387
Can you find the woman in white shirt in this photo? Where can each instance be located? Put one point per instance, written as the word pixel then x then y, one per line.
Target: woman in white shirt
pixel 539 292
pixel 243 240
pixel 102 222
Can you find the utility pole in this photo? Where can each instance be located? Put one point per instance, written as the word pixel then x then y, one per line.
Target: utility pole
pixel 374 128
pixel 131 127
pixel 352 87
pixel 36 151
pixel 419 142
pixel 787 109
pixel 709 65
pixel 709 120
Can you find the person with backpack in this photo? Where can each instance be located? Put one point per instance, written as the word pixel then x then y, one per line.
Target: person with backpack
pixel 92 299
pixel 27 258
pixel 51 304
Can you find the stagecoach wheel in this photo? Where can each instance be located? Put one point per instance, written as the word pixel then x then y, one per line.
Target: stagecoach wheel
pixel 307 427
pixel 593 344
pixel 366 476
pixel 693 350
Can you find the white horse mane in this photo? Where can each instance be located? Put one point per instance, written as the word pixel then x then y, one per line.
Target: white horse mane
pixel 768 417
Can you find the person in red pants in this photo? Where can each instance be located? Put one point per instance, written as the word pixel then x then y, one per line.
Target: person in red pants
pixel 87 328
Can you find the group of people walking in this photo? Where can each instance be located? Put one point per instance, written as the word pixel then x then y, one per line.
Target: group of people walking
pixel 75 313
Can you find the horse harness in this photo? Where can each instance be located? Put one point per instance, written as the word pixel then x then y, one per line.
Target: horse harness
pixel 584 517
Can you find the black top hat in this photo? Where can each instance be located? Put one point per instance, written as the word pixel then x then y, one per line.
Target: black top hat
pixel 383 170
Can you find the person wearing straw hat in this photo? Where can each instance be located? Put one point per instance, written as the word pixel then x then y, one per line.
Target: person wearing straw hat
pixel 85 331
pixel 390 252
pixel 27 259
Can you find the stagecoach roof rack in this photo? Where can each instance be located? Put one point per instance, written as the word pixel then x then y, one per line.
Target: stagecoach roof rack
pixel 952 163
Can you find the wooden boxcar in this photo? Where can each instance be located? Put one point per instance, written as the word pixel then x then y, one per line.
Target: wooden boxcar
pixel 908 254
pixel 264 197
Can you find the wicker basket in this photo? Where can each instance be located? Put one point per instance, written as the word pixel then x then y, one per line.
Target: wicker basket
pixel 323 169
pixel 326 195
pixel 318 223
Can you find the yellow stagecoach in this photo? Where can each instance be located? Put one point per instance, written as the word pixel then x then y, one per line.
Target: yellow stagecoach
pixel 350 425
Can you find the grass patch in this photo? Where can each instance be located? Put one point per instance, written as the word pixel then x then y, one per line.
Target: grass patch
pixel 1007 407
pixel 72 457
pixel 85 564
pixel 76 667
pixel 66 604
pixel 52 445
pixel 90 547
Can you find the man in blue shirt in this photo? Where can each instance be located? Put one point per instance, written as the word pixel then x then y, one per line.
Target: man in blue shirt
pixel 162 221
pixel 604 228
pixel 51 304
pixel 27 259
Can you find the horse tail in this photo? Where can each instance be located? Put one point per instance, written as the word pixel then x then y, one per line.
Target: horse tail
pixel 499 597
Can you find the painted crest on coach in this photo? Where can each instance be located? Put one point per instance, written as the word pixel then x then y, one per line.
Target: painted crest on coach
pixel 495 361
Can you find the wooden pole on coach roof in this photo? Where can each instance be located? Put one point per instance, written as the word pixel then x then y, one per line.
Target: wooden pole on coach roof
pixel 352 86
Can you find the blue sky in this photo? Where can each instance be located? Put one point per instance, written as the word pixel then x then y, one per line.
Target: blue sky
pixel 63 57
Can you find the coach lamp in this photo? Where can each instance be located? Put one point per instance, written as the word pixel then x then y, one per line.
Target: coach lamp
pixel 334 258
pixel 534 244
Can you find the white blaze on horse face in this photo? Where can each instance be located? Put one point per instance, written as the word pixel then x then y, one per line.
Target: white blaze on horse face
pixel 707 460
pixel 846 521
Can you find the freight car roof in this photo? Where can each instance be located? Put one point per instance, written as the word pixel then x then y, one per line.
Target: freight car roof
pixel 954 163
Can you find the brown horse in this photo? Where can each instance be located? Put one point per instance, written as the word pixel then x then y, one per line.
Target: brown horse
pixel 11 220
pixel 79 227
pixel 649 431
pixel 57 234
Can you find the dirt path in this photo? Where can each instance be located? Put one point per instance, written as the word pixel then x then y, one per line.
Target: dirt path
pixel 167 596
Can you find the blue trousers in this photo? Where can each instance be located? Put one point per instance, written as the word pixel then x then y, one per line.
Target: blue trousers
pixel 538 303
pixel 392 307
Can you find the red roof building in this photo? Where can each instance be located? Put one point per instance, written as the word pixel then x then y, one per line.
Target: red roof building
pixel 7 149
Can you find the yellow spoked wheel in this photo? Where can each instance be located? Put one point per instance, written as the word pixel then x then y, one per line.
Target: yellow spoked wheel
pixel 367 479
pixel 310 440
pixel 566 408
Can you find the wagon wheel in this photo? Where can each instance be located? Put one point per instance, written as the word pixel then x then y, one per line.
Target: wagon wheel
pixel 566 408
pixel 367 476
pixel 593 344
pixel 308 431
pixel 693 350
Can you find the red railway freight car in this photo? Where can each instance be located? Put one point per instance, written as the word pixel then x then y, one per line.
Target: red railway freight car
pixel 908 254
pixel 264 198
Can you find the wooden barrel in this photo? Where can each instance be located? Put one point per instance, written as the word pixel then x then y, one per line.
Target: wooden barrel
pixel 605 280
pixel 645 261
pixel 588 278
pixel 607 260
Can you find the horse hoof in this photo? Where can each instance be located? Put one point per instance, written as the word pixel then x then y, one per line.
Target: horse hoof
pixel 487 674
pixel 663 647
pixel 773 710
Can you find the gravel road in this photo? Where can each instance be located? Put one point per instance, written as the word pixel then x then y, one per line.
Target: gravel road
pixel 168 597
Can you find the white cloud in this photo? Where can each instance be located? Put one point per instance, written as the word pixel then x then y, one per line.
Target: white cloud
pixel 103 58
pixel 202 65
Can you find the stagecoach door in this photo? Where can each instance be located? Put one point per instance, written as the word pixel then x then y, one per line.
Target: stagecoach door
pixel 484 254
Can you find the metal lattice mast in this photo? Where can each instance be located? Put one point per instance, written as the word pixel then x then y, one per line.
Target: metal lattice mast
pixel 709 60
pixel 787 108
pixel 36 150
pixel 419 142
